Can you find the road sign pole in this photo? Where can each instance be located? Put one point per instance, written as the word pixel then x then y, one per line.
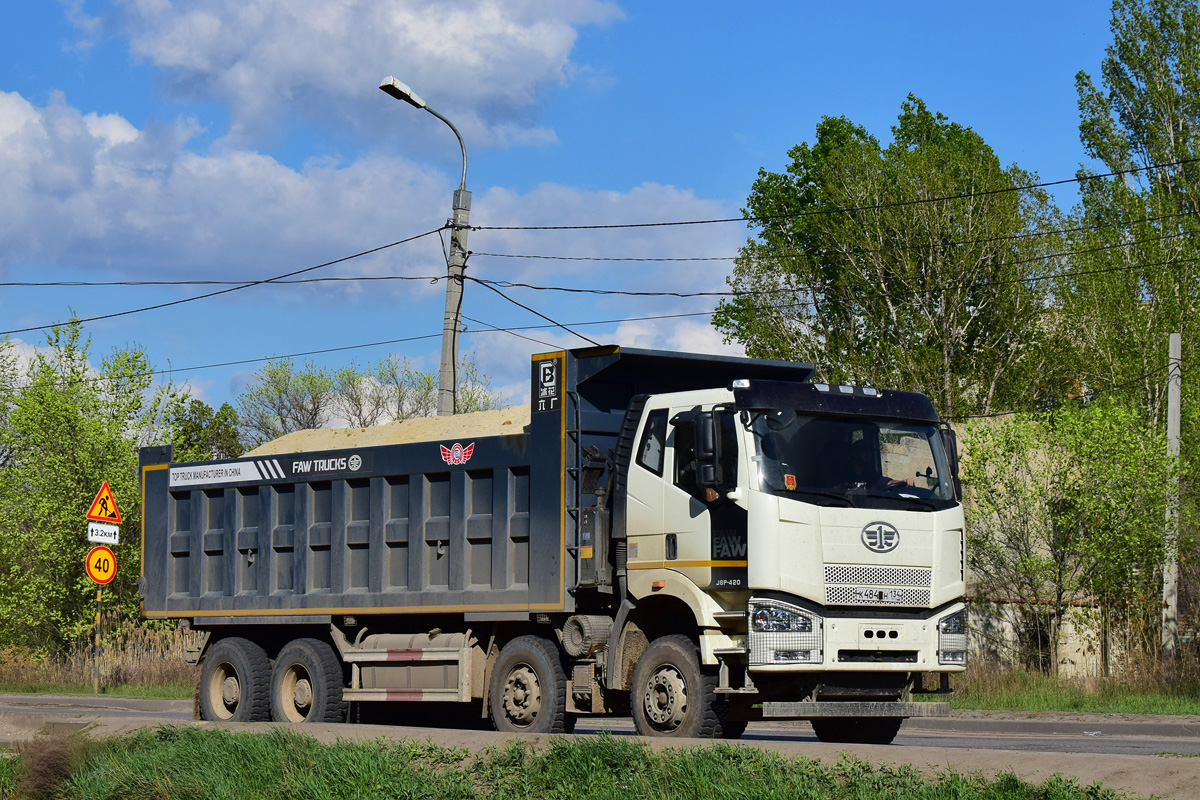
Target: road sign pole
pixel 96 669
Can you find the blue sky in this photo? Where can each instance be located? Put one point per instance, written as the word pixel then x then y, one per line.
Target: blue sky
pixel 234 140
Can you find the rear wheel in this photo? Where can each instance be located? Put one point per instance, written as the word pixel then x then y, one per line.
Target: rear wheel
pixel 673 696
pixel 306 685
pixel 857 730
pixel 528 691
pixel 235 682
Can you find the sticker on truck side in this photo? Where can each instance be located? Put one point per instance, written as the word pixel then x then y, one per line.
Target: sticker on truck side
pixel 266 469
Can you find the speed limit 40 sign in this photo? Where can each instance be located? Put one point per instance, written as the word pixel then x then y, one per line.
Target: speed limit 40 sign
pixel 101 564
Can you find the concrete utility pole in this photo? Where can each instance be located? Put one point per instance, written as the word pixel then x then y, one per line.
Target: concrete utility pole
pixel 456 261
pixel 1171 555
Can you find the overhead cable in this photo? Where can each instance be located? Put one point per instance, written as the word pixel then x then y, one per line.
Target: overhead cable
pixel 839 210
pixel 220 291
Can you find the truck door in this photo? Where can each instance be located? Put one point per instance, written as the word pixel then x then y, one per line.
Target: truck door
pixel 705 532
pixel 644 512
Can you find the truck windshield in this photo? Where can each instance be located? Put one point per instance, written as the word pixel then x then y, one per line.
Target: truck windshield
pixel 868 463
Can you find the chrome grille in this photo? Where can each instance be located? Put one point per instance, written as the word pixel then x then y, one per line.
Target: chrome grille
pixel 878 576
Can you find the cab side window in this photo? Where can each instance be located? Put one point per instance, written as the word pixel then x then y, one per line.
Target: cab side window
pixel 654 439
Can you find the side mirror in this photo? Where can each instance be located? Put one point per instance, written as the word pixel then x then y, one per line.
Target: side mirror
pixel 708 450
pixel 705 428
pixel 950 444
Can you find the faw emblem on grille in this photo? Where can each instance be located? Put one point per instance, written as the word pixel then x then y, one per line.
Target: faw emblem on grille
pixel 880 537
pixel 457 454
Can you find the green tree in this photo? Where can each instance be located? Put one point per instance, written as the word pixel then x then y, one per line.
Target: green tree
pixel 1063 506
pixel 284 398
pixel 1024 575
pixel 1136 277
pixel 858 265
pixel 200 434
pixel 69 428
pixel 1138 271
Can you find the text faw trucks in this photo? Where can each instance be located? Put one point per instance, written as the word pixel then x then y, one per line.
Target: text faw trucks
pixel 697 541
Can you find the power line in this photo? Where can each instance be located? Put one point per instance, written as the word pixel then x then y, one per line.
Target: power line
pixel 491 283
pixel 840 210
pixel 581 290
pixel 200 282
pixel 221 291
pixel 494 329
pixel 1093 395
pixel 538 313
pixel 784 253
pixel 433 279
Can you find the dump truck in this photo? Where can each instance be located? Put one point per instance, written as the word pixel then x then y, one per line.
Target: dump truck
pixel 696 541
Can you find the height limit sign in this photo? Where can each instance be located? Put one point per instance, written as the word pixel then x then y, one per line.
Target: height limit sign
pixel 104 518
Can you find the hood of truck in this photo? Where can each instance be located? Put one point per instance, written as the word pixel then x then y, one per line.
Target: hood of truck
pixel 855 556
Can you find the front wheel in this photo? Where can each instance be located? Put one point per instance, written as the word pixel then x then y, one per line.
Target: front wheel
pixel 857 730
pixel 673 696
pixel 306 685
pixel 235 682
pixel 528 691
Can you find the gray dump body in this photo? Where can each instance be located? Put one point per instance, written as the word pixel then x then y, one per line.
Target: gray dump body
pixel 490 528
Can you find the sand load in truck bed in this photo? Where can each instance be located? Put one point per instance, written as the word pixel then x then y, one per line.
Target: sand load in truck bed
pixel 504 422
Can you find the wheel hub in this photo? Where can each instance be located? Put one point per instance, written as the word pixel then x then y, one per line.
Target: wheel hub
pixel 522 695
pixel 231 690
pixel 666 698
pixel 302 695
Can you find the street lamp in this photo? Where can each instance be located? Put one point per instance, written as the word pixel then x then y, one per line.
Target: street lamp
pixel 456 261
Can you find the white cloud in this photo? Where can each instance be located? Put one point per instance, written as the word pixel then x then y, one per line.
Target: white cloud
pixel 483 63
pixel 93 191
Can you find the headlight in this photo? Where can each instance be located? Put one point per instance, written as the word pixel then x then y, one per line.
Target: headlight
pixel 955 623
pixel 780 634
pixel 952 639
pixel 768 619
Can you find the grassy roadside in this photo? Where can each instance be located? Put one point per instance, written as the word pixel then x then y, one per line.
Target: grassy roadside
pixel 197 763
pixel 171 691
pixel 1022 690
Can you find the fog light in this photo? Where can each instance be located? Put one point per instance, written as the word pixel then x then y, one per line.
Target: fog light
pixel 952 657
pixel 793 655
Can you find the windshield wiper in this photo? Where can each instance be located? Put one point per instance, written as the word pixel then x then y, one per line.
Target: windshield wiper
pixel 910 498
pixel 842 499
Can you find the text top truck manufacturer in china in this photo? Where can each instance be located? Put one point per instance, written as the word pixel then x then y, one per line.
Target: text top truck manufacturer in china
pixel 699 541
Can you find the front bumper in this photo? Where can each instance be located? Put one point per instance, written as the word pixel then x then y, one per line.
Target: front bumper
pixel 786 636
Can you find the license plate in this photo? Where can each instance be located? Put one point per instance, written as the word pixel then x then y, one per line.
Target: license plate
pixel 863 594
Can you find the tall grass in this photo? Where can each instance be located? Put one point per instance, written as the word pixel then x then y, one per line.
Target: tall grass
pixel 136 659
pixel 203 763
pixel 1140 689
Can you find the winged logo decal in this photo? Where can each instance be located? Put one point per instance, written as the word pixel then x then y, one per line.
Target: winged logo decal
pixel 457 454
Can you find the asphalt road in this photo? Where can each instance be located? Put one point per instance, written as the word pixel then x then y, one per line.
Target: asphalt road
pixel 1125 752
pixel 1066 733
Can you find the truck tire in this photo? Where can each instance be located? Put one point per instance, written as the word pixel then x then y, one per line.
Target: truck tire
pixel 673 696
pixel 306 684
pixel 235 682
pixel 857 730
pixel 528 691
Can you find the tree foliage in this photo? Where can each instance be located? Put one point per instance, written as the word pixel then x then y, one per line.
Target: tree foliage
pixel 201 433
pixel 916 265
pixel 283 398
pixel 1068 506
pixel 67 428
pixel 1137 276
